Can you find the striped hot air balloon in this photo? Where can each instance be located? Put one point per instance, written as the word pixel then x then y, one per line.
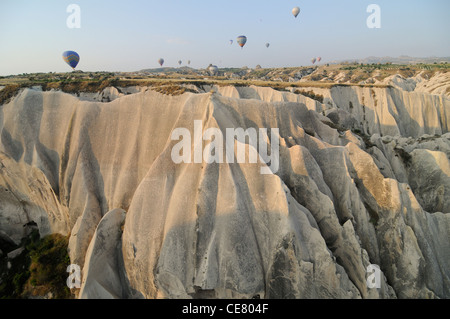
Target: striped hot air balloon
pixel 71 58
pixel 241 40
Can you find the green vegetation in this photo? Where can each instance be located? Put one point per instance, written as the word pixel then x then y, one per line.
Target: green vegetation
pixel 172 86
pixel 261 73
pixel 40 270
pixel 311 95
pixel 172 80
pixel 362 72
pixel 9 92
pixel 391 66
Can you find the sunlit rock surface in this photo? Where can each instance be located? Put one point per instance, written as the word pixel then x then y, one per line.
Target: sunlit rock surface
pixel 363 178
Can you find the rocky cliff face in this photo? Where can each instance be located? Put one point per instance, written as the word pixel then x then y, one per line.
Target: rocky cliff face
pixel 363 178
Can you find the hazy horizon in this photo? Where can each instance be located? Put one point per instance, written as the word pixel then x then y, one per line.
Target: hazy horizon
pixel 130 36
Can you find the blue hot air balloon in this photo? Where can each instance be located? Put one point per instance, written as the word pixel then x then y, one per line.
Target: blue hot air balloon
pixel 242 40
pixel 71 58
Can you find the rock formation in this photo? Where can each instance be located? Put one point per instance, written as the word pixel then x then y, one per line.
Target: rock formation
pixel 363 179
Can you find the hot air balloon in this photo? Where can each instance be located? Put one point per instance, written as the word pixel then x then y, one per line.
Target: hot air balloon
pixel 161 61
pixel 296 11
pixel 179 62
pixel 319 59
pixel 231 42
pixel 213 69
pixel 313 60
pixel 267 45
pixel 242 40
pixel 189 62
pixel 71 58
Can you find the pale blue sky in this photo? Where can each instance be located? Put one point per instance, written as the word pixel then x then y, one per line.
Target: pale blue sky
pixel 132 35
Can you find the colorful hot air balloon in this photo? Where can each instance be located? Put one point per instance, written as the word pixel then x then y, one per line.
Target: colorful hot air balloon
pixel 296 11
pixel 319 59
pixel 71 58
pixel 161 61
pixel 313 60
pixel 267 45
pixel 242 40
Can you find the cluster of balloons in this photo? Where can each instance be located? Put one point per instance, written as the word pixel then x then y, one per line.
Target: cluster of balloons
pixel 72 58
pixel 161 62
pixel 242 39
pixel 314 60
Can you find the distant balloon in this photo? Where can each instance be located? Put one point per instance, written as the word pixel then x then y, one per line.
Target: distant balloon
pixel 242 40
pixel 296 11
pixel 267 45
pixel 189 62
pixel 231 42
pixel 213 69
pixel 319 59
pixel 161 61
pixel 313 60
pixel 71 58
pixel 179 62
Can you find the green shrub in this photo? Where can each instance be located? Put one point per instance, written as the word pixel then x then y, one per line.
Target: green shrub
pixel 311 95
pixel 38 270
pixel 49 261
pixel 19 280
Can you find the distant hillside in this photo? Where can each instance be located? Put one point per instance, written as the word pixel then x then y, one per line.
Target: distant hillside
pixel 403 59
